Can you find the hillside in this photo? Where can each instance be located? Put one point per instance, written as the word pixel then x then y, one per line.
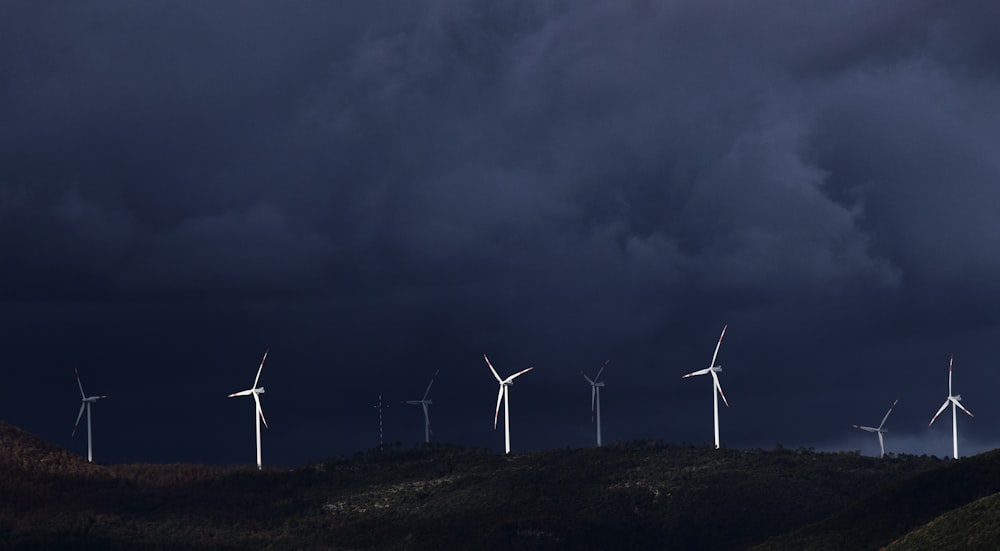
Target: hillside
pixel 642 495
pixel 950 492
pixel 973 526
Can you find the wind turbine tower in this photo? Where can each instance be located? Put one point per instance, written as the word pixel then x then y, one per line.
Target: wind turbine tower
pixel 595 398
pixel 379 407
pixel 714 370
pixel 258 415
pixel 955 400
pixel 86 403
pixel 503 396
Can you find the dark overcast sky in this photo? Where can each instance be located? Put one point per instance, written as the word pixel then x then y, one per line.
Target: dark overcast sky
pixel 377 190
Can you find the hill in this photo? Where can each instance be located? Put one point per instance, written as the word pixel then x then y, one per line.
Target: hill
pixel 973 526
pixel 935 506
pixel 637 496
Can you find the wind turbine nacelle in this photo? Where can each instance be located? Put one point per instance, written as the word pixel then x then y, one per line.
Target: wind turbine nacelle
pixel 599 384
pixel 957 397
pixel 717 368
pixel 259 390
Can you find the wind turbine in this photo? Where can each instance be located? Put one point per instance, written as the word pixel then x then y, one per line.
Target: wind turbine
pixel 86 402
pixel 955 400
pixel 425 402
pixel 502 395
pixel 713 370
pixel 595 398
pixel 258 415
pixel 379 406
pixel 880 430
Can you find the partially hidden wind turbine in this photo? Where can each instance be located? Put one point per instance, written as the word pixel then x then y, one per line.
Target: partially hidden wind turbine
pixel 424 402
pixel 880 429
pixel 713 370
pixel 86 402
pixel 955 400
pixel 595 398
pixel 503 396
pixel 258 415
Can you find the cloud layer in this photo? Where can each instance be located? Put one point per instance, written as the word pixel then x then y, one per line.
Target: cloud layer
pixel 401 189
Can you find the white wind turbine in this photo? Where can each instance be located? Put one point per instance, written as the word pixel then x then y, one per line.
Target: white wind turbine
pixel 258 415
pixel 880 430
pixel 86 402
pixel 425 402
pixel 713 370
pixel 595 398
pixel 502 395
pixel 955 400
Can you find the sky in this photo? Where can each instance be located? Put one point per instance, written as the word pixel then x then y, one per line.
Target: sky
pixel 375 191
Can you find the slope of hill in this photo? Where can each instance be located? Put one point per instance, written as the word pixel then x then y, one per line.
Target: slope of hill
pixel 905 506
pixel 640 495
pixel 973 526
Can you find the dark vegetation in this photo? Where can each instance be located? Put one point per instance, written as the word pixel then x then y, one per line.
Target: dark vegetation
pixel 936 506
pixel 642 495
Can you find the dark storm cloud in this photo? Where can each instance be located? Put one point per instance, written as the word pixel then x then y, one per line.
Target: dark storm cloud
pixel 388 191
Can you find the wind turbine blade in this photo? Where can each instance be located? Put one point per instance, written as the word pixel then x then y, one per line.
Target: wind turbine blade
pixel 961 407
pixel 588 378
pixel 882 424
pixel 699 372
pixel 866 429
pixel 518 374
pixel 497 412
pixel 82 393
pixel 240 393
pixel 950 362
pixel 718 345
pixel 257 378
pixel 77 424
pixel 718 387
pixel 598 376
pixel 488 364
pixel 256 399
pixel 944 405
pixel 593 396
pixel 428 391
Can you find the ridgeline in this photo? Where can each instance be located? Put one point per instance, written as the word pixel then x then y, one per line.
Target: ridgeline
pixel 641 495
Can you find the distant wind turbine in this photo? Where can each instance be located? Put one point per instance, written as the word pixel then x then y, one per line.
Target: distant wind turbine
pixel 379 406
pixel 503 396
pixel 424 402
pixel 880 430
pixel 713 369
pixel 86 402
pixel 955 400
pixel 595 398
pixel 258 415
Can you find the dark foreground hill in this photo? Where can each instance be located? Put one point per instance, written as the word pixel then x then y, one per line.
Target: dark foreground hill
pixel 636 496
pixel 956 506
